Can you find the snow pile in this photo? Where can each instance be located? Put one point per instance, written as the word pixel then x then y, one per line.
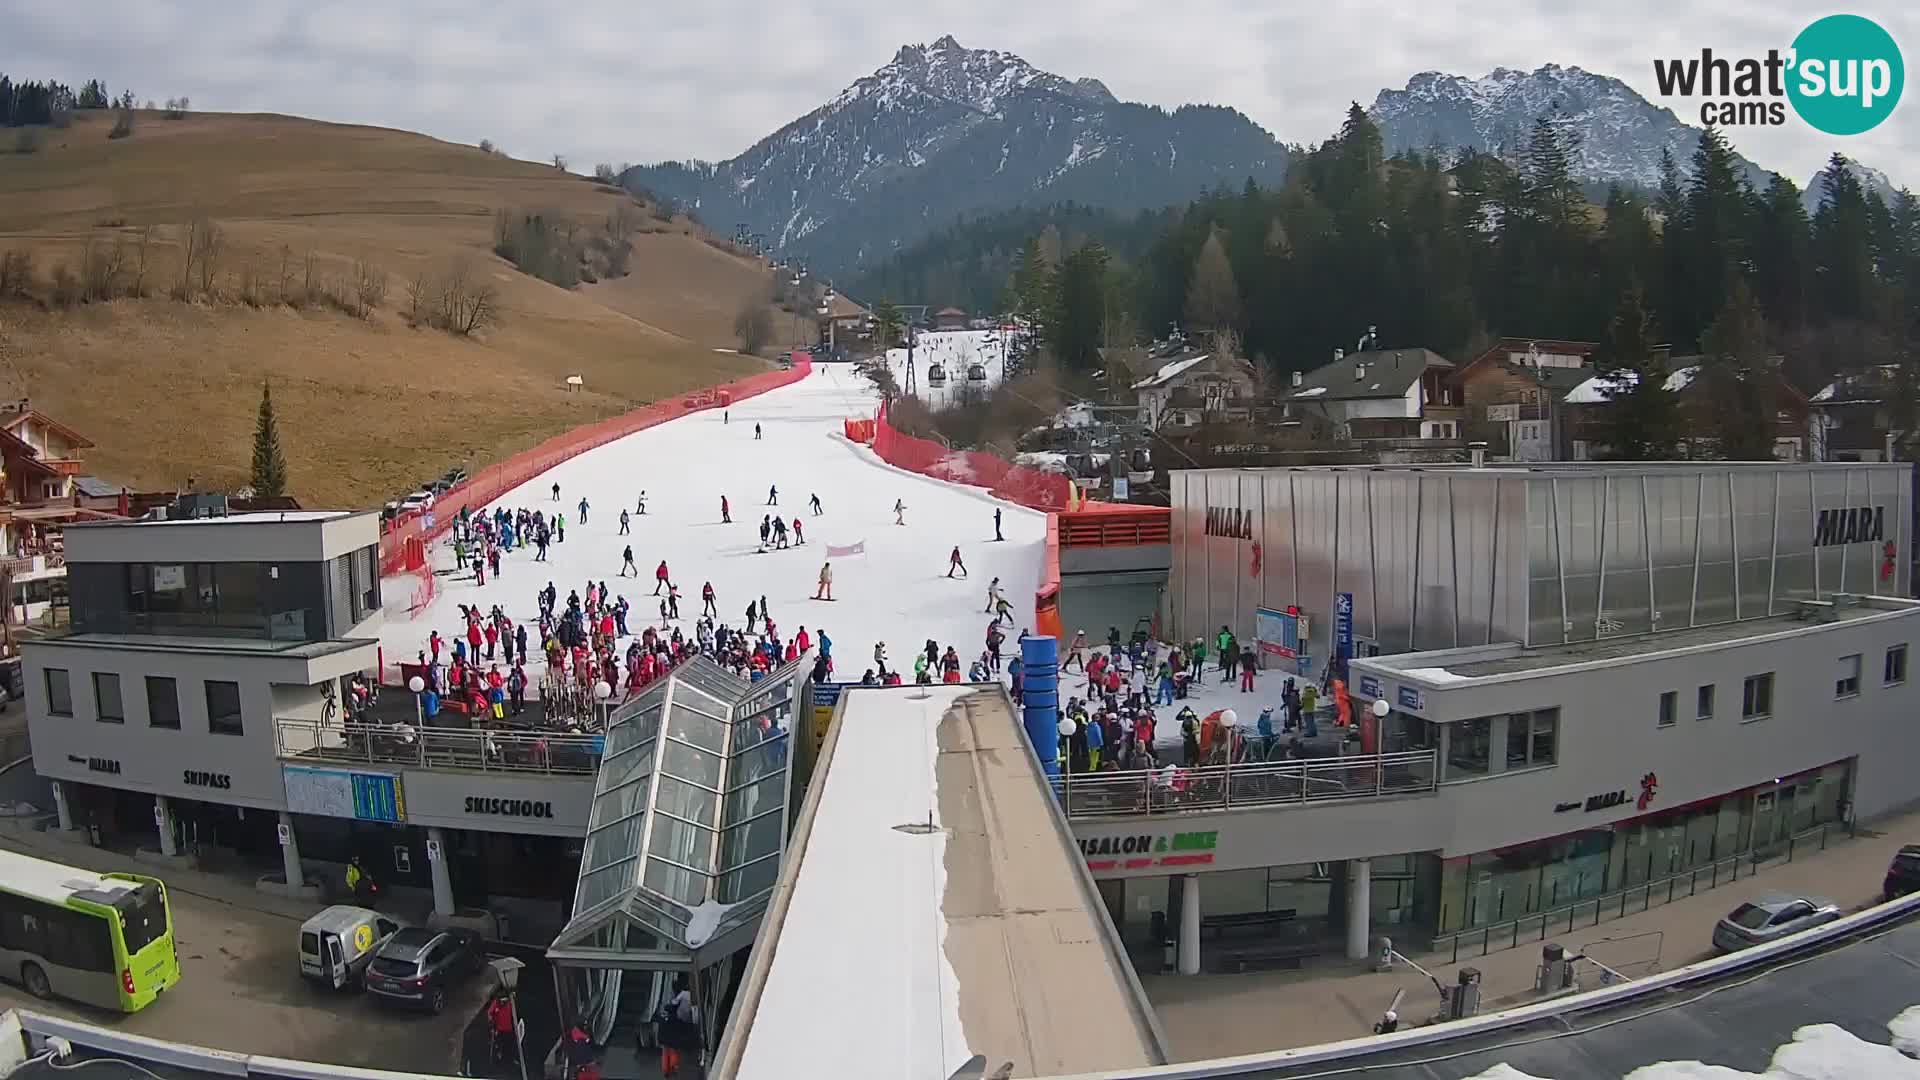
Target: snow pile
pixel 705 920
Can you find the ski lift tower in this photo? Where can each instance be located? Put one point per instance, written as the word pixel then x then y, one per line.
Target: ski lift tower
pixel 911 382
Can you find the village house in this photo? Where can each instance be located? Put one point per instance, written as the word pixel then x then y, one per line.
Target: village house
pixel 1192 388
pixel 1515 394
pixel 1587 403
pixel 1853 420
pixel 1397 395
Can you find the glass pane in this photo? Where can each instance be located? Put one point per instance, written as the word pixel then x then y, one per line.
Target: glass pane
pixel 696 727
pixel 681 884
pixel 611 806
pixel 767 759
pixel 683 843
pixel 748 880
pixel 611 844
pixel 744 843
pixel 687 763
pixel 685 800
pixel 748 801
pixel 635 761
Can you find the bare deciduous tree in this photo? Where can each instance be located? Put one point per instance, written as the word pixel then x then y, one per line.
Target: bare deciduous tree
pixel 190 238
pixel 560 162
pixel 16 275
pixel 310 282
pixel 142 249
pixel 753 326
pixel 213 244
pixel 369 285
pixel 420 299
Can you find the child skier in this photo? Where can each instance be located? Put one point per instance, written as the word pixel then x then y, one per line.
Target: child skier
pixel 799 538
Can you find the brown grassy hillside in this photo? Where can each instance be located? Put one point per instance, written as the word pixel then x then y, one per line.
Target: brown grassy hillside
pixel 367 407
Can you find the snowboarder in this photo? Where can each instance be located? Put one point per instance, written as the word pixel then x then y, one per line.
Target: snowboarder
pixel 825 591
pixel 815 501
pixel 556 493
pixel 583 509
pixel 899 511
pixel 660 577
pixel 996 525
pixel 707 606
pixel 773 495
pixel 624 526
pixel 626 563
pixel 954 564
pixel 725 518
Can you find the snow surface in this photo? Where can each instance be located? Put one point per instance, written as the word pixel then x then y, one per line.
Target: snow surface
pixel 1817 1052
pixel 1168 372
pixel 895 592
pixel 1595 390
pixel 1905 1029
pixel 862 880
pixel 704 920
pixel 954 351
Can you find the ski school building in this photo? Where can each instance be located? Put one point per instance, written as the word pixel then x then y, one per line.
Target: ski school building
pixel 1566 681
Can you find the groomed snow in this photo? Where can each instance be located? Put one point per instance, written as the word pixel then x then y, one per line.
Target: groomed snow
pixel 896 591
pixel 954 351
pixel 862 880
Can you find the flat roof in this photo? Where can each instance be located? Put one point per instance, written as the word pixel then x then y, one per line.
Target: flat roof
pixel 1452 665
pixel 257 517
pixel 300 650
pixel 52 881
pixel 925 947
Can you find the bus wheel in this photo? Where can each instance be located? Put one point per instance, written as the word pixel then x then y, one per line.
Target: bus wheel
pixel 35 980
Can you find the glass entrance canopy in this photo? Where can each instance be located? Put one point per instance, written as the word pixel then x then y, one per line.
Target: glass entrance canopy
pixel 688 822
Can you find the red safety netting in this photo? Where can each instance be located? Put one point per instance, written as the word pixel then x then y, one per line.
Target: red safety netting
pixel 402 546
pixel 1029 487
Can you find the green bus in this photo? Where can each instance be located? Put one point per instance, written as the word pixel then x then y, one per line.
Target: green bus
pixel 100 939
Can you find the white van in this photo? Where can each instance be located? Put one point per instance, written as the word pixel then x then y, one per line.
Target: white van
pixel 336 945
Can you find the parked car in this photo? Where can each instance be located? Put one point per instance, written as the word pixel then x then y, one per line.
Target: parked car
pixel 418 501
pixel 418 966
pixel 1903 874
pixel 1770 917
pixel 455 476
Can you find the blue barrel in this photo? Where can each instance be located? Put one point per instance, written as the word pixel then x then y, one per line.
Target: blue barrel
pixel 1040 672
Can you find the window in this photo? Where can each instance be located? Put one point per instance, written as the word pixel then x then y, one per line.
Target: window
pixel 163 702
pixel 107 706
pixel 223 708
pixel 1703 703
pixel 59 693
pixel 1532 738
pixel 1756 699
pixel 1669 708
pixel 1847 683
pixel 1895 671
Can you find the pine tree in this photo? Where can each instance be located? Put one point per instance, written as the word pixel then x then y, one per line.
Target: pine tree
pixel 886 323
pixel 1079 330
pixel 1717 228
pixel 1738 383
pixel 1781 266
pixel 269 464
pixel 1213 297
pixel 1842 243
pixel 1642 420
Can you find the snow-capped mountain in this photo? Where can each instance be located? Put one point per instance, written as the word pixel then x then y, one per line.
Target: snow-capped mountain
pixel 943 131
pixel 1871 179
pixel 1620 134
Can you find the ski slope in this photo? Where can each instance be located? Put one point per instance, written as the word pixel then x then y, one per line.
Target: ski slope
pixel 895 592
pixel 955 351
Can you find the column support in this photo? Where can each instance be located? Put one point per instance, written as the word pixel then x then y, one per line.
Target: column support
pixel 1359 907
pixel 1190 924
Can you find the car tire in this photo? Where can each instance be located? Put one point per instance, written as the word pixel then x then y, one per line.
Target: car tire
pixel 34 978
pixel 437 1001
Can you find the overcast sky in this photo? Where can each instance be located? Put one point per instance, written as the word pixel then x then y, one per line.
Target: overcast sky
pixel 619 80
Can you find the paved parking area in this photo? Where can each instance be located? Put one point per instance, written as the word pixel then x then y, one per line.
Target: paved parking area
pixel 240 988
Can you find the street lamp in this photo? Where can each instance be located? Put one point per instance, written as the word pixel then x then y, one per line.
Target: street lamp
pixel 602 690
pixel 418 685
pixel 507 969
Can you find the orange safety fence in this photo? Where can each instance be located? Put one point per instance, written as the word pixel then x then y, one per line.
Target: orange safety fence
pixel 1022 484
pixel 1116 525
pixel 398 548
pixel 860 431
pixel 1046 599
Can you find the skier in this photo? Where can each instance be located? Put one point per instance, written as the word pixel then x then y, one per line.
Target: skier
pixel 1076 651
pixel 815 501
pixel 993 590
pixel 752 611
pixel 773 495
pixel 799 538
pixel 642 508
pixel 556 493
pixel 707 606
pixel 673 600
pixel 659 577
pixel 559 528
pixel 899 511
pixel 627 562
pixel 954 563
pixel 583 509
pixel 996 524
pixel 756 429
pixel 825 591
pixel 725 518
pixel 624 529
pixel 780 533
pixel 766 530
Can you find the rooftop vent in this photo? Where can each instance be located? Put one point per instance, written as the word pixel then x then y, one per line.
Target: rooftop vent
pixel 1297 379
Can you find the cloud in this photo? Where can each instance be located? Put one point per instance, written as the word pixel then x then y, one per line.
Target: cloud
pixel 600 80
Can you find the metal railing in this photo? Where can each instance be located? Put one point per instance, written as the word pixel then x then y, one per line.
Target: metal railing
pixel 1173 789
pixel 1631 900
pixel 483 750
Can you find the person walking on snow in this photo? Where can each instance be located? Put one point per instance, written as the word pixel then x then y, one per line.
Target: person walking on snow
pixel 642 508
pixel 559 528
pixel 1077 651
pixel 660 577
pixel 725 518
pixel 673 600
pixel 825 591
pixel 583 509
pixel 993 591
pixel 556 493
pixel 954 563
pixel 815 501
pixel 756 429
pixel 707 606
pixel 627 562
pixel 624 529
pixel 899 511
pixel 773 495
pixel 996 525
pixel 799 538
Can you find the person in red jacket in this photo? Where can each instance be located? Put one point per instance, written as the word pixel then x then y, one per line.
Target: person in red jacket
pixel 798 536
pixel 725 517
pixel 500 1023
pixel 493 636
pixel 802 641
pixel 660 577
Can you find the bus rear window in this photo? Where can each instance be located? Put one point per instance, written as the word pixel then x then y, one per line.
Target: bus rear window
pixel 143 918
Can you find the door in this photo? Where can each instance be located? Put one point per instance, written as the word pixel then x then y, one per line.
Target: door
pixel 1764 813
pixel 333 960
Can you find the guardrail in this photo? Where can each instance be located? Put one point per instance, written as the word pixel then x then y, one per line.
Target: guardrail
pixel 1217 787
pixel 1116 529
pixel 1628 901
pixel 482 750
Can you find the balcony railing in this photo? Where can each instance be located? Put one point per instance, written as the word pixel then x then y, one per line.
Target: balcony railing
pixel 1217 787
pixel 439 747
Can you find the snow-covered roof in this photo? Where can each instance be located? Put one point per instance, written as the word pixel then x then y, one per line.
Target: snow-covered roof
pixel 1598 390
pixel 1168 372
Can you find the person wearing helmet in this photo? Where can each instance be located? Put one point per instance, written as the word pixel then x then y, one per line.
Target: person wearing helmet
pixel 1077 652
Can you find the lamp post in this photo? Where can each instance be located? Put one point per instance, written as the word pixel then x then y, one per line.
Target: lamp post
pixel 418 685
pixel 507 968
pixel 602 690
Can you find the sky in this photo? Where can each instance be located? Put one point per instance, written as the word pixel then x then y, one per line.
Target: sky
pixel 618 81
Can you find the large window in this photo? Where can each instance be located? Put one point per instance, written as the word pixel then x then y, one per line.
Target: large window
pixel 59 692
pixel 1469 744
pixel 163 702
pixel 107 706
pixel 1894 671
pixel 1756 697
pixel 257 600
pixel 1532 738
pixel 1846 682
pixel 223 708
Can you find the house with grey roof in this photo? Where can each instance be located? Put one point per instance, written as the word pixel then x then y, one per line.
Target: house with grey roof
pixel 1382 394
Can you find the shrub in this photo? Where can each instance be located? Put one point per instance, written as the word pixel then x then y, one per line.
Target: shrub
pixel 27 141
pixel 122 124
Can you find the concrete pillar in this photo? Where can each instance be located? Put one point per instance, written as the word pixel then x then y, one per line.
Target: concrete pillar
pixel 1359 907
pixel 1190 924
pixel 290 852
pixel 163 820
pixel 60 806
pixel 442 879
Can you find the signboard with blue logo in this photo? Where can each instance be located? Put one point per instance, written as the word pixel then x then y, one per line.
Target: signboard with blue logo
pixel 1369 686
pixel 1343 626
pixel 1280 633
pixel 825 697
pixel 344 794
pixel 1410 699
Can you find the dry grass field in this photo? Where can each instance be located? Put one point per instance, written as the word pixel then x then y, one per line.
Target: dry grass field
pixel 367 407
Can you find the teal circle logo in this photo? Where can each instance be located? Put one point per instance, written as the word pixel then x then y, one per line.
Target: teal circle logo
pixel 1847 75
